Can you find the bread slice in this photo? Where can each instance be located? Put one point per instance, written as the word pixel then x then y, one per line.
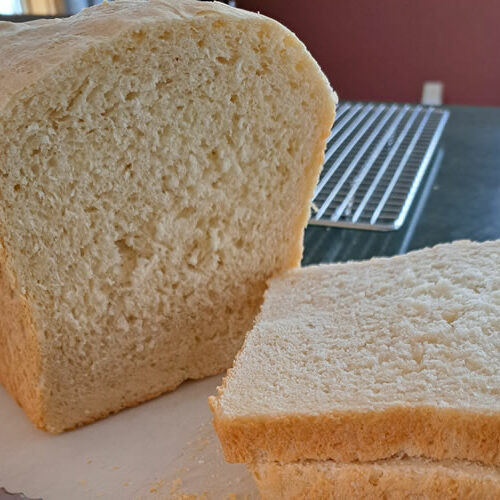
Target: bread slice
pixel 390 479
pixel 157 163
pixel 366 360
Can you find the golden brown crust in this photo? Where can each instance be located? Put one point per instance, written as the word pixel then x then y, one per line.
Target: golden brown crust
pixel 364 436
pixel 19 354
pixel 373 481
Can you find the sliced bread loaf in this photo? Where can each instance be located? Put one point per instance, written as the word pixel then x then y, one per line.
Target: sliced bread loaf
pixel 366 360
pixel 157 160
pixel 391 479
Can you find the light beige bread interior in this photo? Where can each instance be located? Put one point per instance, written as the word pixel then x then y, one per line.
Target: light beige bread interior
pixel 390 479
pixel 366 360
pixel 157 163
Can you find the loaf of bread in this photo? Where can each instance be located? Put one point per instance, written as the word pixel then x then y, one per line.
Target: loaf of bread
pixel 368 360
pixel 391 479
pixel 157 160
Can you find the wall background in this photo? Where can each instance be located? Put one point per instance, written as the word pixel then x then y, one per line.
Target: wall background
pixel 385 49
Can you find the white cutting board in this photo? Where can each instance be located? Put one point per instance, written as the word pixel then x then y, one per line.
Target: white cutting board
pixel 165 448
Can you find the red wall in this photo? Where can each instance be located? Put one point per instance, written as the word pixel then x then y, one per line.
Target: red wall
pixel 385 49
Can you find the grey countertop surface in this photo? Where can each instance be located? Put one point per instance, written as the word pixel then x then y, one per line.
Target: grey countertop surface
pixel 459 197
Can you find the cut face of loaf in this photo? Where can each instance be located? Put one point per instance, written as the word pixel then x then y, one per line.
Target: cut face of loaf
pixel 392 479
pixel 157 161
pixel 366 360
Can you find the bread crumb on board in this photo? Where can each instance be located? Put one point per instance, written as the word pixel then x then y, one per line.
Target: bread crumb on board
pixel 175 485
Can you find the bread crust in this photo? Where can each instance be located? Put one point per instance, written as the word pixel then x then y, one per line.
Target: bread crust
pixel 324 480
pixel 436 433
pixel 20 360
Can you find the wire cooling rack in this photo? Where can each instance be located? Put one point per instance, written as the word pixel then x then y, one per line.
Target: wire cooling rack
pixel 375 159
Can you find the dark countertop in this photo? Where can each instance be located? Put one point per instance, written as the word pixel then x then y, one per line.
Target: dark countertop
pixel 459 197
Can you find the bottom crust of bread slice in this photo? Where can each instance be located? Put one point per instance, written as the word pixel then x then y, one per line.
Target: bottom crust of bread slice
pixel 388 479
pixel 366 360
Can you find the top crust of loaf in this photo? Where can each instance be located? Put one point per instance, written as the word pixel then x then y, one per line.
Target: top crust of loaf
pixel 31 50
pixel 297 405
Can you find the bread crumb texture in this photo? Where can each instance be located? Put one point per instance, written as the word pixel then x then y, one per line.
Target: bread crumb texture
pixel 157 163
pixel 363 360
